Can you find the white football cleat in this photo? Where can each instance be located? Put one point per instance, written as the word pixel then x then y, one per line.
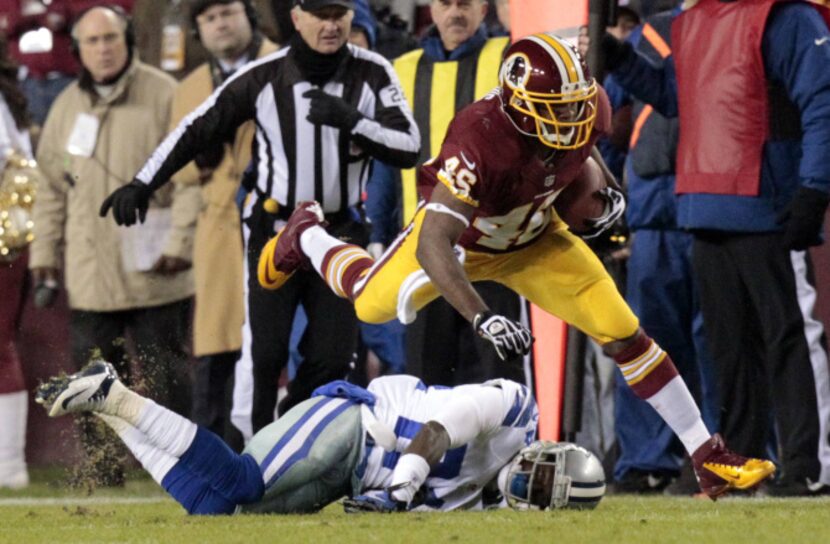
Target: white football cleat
pixel 84 391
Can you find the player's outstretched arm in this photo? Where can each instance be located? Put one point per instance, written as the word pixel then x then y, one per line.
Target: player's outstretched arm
pixel 446 219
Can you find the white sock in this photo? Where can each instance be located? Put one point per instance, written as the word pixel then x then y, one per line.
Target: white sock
pixel 166 429
pixel 315 243
pixel 155 461
pixel 13 410
pixel 678 409
pixel 124 403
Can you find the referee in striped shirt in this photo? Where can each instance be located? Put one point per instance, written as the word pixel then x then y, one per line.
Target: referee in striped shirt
pixel 323 109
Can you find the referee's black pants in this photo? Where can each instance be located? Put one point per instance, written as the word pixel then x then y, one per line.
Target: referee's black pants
pixel 770 354
pixel 327 345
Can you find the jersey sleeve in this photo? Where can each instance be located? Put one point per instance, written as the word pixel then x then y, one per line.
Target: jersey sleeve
pixel 520 411
pixel 796 48
pixel 461 165
pixel 391 135
pixel 477 410
pixel 213 122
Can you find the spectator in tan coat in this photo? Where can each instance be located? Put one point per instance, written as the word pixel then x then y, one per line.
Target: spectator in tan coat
pixel 96 135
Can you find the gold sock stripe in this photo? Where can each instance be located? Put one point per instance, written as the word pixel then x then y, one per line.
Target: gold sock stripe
pixel 644 364
pixel 651 368
pixel 347 262
pixel 642 361
pixel 636 362
pixel 645 370
pixel 332 275
pixel 338 264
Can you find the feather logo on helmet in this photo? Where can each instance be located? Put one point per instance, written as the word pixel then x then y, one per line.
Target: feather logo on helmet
pixel 516 70
pixel 547 91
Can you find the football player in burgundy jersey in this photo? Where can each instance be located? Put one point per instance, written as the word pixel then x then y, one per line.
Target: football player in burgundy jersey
pixel 486 214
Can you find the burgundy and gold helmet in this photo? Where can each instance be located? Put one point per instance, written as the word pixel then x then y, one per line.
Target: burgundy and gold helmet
pixel 548 92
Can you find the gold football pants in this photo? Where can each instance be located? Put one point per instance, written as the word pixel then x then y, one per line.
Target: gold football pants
pixel 558 272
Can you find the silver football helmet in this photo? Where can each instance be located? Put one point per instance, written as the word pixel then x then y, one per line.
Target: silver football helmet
pixel 553 475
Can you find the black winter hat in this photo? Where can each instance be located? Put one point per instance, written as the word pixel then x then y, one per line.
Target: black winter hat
pixel 197 7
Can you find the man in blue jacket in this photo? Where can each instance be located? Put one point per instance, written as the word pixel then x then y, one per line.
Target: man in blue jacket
pixel 750 83
pixel 660 285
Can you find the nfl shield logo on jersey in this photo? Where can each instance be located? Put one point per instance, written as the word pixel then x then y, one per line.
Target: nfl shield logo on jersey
pixel 550 180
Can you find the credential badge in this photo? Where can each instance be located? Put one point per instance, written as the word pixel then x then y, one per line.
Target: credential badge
pixel 550 180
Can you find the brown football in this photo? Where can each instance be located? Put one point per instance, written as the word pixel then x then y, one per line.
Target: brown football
pixel 579 201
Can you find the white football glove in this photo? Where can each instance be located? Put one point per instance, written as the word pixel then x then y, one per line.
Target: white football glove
pixel 614 209
pixel 508 337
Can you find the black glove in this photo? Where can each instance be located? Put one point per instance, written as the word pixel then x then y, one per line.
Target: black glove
pixel 508 337
pixel 331 110
pixel 614 51
pixel 803 218
pixel 126 200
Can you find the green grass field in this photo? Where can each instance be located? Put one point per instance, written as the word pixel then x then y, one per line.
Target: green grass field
pixel 141 512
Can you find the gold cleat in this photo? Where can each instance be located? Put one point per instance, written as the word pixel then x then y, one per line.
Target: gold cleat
pixel 745 477
pixel 282 255
pixel 718 469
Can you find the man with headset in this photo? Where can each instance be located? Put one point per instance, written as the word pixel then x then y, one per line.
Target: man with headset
pixel 205 196
pixel 95 137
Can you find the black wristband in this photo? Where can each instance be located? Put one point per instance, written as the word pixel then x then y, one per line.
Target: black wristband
pixel 481 317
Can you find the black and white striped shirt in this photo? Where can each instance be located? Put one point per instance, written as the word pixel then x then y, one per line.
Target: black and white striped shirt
pixel 295 160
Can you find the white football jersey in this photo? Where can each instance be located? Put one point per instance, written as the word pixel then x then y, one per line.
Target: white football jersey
pixel 404 404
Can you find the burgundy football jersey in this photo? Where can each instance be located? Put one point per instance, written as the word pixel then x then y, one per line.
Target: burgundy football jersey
pixel 486 162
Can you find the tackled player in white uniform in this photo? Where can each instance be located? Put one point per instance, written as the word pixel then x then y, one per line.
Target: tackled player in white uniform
pixel 395 446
